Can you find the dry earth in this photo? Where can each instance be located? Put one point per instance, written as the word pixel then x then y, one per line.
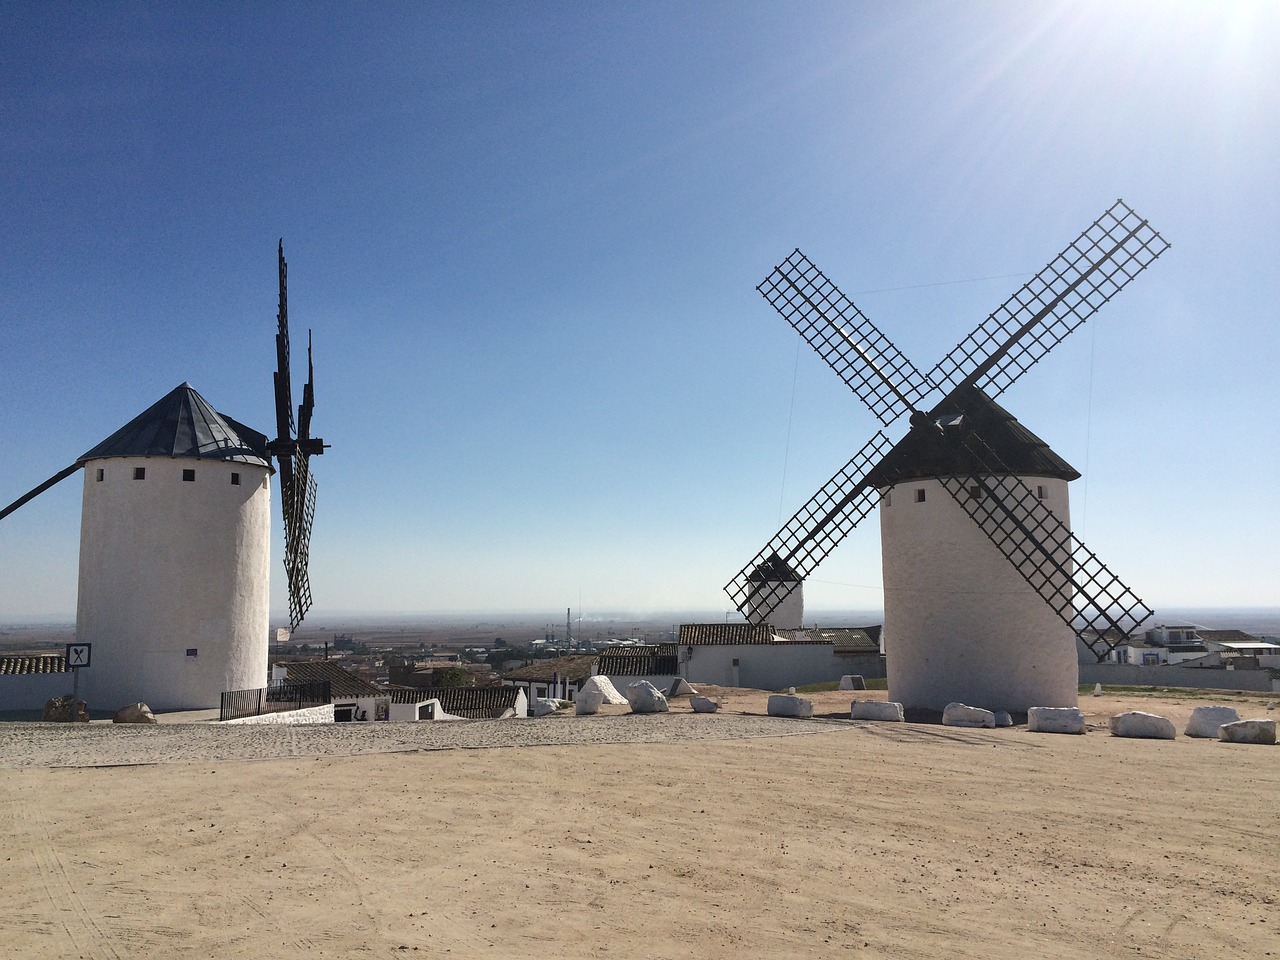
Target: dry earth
pixel 639 836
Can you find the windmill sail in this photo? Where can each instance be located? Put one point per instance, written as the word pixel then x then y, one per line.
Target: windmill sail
pixel 863 357
pixel 293 451
pixel 804 541
pixel 1093 268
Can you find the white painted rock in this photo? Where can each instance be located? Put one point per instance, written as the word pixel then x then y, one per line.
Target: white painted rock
pixel 680 688
pixel 644 697
pixel 134 713
pixel 961 715
pixel 1206 720
pixel 876 710
pixel 787 705
pixel 606 687
pixel 1055 720
pixel 542 706
pixel 588 702
pixel 851 681
pixel 1142 726
pixel 1248 731
pixel 1003 719
pixel 703 705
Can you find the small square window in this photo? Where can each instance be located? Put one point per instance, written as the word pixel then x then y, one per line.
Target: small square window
pixel 235 479
pixel 919 496
pixel 139 473
pixel 975 493
pixel 100 474
pixel 191 651
pixel 189 476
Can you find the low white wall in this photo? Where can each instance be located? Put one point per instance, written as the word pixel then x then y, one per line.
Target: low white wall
pixel 321 714
pixel 1127 674
pixel 773 666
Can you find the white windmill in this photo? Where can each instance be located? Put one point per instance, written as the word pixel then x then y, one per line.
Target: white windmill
pixel 985 586
pixel 175 544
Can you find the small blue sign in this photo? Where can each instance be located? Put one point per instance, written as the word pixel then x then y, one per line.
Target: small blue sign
pixel 78 655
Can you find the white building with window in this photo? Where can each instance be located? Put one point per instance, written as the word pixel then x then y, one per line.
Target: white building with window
pixel 174 558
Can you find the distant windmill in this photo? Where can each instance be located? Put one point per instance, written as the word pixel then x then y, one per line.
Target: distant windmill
pixel 175 544
pixel 985 586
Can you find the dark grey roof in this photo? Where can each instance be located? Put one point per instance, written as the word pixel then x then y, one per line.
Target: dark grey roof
pixel 22 666
pixel 725 634
pixel 183 424
pixel 923 453
pixel 658 660
pixel 341 683
pixel 775 569
pixel 844 639
pixel 473 703
pixel 1227 636
pixel 574 669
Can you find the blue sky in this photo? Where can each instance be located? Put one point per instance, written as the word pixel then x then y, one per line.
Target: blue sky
pixel 527 238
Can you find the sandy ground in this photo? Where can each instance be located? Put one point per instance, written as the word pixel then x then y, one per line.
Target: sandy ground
pixel 666 836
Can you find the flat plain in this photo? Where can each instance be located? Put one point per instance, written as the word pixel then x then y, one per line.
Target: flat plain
pixel 640 836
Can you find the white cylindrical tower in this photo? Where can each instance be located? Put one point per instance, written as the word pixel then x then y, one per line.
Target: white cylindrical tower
pixel 775 595
pixel 174 559
pixel 960 623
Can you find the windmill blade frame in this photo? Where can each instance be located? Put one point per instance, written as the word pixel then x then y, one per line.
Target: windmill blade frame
pixel 809 536
pixel 861 355
pixel 1045 553
pixel 1073 286
pixel 293 449
pixel 36 491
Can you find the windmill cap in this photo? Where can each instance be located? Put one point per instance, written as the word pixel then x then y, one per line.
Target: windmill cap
pixel 926 453
pixel 183 424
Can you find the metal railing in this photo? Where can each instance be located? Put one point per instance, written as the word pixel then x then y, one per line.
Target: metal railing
pixel 276 698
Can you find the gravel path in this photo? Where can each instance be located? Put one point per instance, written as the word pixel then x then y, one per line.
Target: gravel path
pixel 103 745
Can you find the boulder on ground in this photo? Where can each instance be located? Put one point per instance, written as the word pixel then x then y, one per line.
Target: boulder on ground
pixel 1206 720
pixel 786 705
pixel 644 697
pixel 134 713
pixel 1004 718
pixel 1142 726
pixel 1055 720
pixel 66 709
pixel 606 687
pixel 542 706
pixel 588 702
pixel 963 715
pixel 852 681
pixel 1248 731
pixel 680 688
pixel 703 705
pixel 876 710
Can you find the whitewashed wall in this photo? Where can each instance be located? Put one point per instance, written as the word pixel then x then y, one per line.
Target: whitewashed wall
pixel 960 623
pixel 168 566
pixel 771 666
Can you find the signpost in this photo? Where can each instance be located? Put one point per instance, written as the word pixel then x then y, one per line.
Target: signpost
pixel 78 655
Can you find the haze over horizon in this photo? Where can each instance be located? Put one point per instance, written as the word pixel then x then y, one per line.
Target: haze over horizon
pixel 527 240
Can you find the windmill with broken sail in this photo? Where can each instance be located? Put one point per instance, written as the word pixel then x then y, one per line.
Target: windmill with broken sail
pixel 175 542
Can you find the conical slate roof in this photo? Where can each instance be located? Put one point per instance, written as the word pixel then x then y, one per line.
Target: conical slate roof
pixel 183 424
pixel 924 453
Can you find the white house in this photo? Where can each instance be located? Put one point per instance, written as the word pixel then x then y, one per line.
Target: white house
pixel 765 658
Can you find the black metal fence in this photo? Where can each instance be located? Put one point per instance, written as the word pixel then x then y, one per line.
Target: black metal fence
pixel 276 698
